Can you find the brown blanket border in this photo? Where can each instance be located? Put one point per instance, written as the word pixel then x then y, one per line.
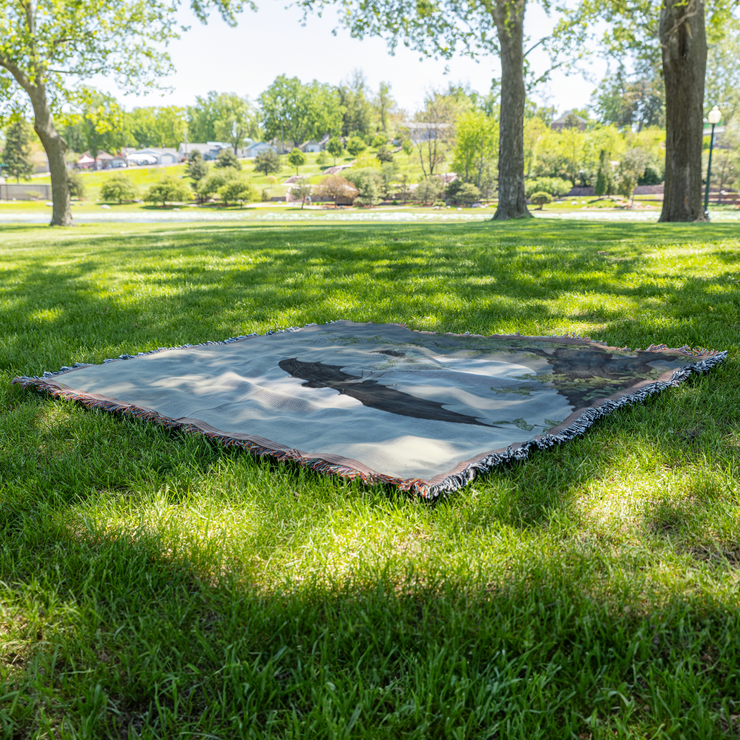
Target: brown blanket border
pixel 575 425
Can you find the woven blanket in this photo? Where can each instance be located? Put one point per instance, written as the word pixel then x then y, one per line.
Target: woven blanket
pixel 426 412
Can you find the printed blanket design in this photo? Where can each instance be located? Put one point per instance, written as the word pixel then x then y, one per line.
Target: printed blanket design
pixel 426 412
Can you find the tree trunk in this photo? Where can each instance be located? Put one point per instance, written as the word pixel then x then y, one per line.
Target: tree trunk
pixel 684 47
pixel 56 148
pixel 509 18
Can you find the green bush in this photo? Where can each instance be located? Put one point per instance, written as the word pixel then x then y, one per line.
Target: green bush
pixel 267 162
pixel 76 185
pixel 429 190
pixel 227 159
pixel 209 186
pixel 356 146
pixel 237 190
pixel 118 188
pixel 168 190
pixel 555 186
pixel 380 139
pixel 540 199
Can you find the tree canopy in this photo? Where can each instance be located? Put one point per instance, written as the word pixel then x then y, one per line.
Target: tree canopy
pixel 296 112
pixel 49 47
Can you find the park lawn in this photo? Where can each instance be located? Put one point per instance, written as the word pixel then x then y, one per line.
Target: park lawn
pixel 155 584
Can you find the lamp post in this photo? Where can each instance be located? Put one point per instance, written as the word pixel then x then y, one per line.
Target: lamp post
pixel 714 115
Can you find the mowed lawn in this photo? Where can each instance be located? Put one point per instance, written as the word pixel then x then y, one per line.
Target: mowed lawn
pixel 155 584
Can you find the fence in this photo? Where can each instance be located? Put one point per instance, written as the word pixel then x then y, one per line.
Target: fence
pixel 24 191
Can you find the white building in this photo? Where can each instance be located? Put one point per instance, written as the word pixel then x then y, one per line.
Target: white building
pixel 257 148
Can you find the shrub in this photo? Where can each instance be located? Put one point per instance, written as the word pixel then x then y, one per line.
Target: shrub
pixel 196 168
pixel 380 139
pixel 168 190
pixel 335 147
pixel 555 186
pixel 227 158
pixel 429 190
pixel 76 185
pixel 323 159
pixel 237 190
pixel 368 183
pixel 118 188
pixel 384 154
pixel 468 194
pixel 267 162
pixel 209 186
pixel 651 176
pixel 539 199
pixel 297 159
pixel 356 146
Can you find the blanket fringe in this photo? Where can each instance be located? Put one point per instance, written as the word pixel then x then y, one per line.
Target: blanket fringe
pixel 413 486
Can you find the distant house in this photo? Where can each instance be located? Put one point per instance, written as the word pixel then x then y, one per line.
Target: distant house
pixel 118 161
pixel 88 162
pixel 315 146
pixel 209 150
pixel 569 120
pixel 152 155
pixel 257 148
pixel 420 131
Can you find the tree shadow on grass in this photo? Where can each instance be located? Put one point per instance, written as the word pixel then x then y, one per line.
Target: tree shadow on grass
pixel 124 616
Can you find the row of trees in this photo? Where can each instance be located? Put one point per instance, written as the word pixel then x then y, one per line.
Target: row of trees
pixel 49 47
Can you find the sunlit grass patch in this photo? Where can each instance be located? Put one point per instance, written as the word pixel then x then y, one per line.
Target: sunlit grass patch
pixel 157 584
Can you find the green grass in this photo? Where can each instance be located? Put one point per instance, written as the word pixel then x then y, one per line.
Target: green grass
pixel 157 585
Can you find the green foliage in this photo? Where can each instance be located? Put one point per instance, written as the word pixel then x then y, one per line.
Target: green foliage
pixel 466 193
pixel 475 153
pixel 209 186
pixel 631 168
pixel 429 190
pixel 297 112
pixel 540 199
pixel 267 162
pixel 388 176
pixel 17 152
pixel 76 185
pixel 222 117
pixel 227 159
pixel 158 126
pixel 297 159
pixel 651 176
pixel 237 190
pixel 555 186
pixel 196 168
pixel 408 147
pixel 357 110
pixel 335 148
pixel 384 154
pixel 168 190
pixel 118 188
pixel 95 122
pixel 300 190
pixel 380 139
pixel 323 159
pixel 356 145
pixel 369 185
pixel 605 177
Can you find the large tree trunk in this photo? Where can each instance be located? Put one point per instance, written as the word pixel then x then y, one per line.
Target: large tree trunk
pixel 509 18
pixel 684 46
pixel 56 148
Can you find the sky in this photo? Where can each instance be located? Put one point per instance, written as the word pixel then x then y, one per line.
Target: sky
pixel 272 41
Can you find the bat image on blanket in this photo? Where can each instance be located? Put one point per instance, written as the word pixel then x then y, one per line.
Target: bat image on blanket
pixel 371 393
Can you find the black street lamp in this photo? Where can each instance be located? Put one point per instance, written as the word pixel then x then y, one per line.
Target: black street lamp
pixel 714 115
